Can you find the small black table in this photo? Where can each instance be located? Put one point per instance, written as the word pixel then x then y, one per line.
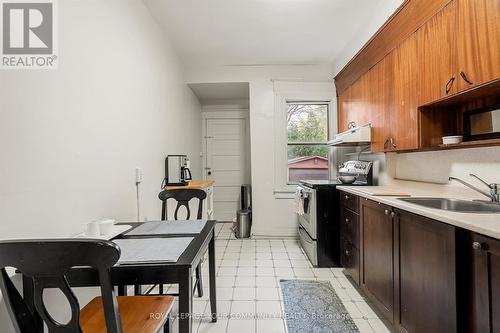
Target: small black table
pixel 180 272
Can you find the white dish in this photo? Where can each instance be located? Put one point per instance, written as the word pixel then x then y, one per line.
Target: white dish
pixel 115 231
pixel 454 139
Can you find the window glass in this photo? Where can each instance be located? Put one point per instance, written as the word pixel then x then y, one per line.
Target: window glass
pixel 307 134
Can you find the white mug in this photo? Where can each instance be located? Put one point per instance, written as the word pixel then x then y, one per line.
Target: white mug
pixel 92 229
pixel 106 226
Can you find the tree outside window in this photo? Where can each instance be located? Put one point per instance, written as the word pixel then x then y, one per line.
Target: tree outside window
pixel 307 135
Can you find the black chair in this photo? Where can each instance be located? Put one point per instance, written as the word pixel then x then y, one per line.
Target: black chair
pixel 183 196
pixel 47 262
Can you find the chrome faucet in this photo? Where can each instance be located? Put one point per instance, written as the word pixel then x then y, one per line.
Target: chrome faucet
pixel 493 195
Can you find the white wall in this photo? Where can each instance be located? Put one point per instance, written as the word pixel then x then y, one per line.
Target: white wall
pixel 272 216
pixel 70 138
pixel 437 166
pixel 364 32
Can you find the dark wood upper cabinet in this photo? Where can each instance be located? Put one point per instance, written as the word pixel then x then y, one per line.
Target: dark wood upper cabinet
pixel 380 79
pixel 454 47
pixel 437 56
pixel 486 284
pixel 404 117
pixel 478 42
pixel 426 275
pixel 377 256
pixel 405 20
pixel 343 110
pixel 354 105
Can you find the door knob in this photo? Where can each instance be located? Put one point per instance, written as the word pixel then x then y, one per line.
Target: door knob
pixel 386 212
pixel 477 246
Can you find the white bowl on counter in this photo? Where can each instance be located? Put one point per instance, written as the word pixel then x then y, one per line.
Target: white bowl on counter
pixel 452 140
pixel 347 179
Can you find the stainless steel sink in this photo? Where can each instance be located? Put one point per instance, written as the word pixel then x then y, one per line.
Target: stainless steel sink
pixel 456 205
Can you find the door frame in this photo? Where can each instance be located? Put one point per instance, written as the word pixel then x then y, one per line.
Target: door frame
pixel 224 112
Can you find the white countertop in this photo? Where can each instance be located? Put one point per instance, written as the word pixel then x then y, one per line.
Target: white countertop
pixel 486 224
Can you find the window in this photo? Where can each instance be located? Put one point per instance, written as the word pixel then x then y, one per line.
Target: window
pixel 307 135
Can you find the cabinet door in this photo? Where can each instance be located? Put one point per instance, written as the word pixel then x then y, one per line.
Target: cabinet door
pixel 354 107
pixel 486 303
pixel 377 272
pixel 350 260
pixel 343 110
pixel 404 119
pixel 427 279
pixel 380 79
pixel 349 226
pixel 437 57
pixel 478 41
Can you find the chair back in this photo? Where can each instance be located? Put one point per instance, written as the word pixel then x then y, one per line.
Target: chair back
pixel 182 196
pixel 47 263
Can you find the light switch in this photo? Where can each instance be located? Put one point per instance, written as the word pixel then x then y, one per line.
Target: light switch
pixel 139 175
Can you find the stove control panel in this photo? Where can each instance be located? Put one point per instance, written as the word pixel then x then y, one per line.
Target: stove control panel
pixel 355 167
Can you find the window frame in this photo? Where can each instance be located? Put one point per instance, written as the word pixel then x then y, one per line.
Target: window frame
pixel 296 92
pixel 306 143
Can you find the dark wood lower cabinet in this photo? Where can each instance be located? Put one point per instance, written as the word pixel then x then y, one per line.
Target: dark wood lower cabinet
pixel 425 275
pixel 485 284
pixel 377 255
pixel 349 234
pixel 350 260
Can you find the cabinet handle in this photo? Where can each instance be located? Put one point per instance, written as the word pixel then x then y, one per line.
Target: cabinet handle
pixel 448 86
pixel 347 197
pixel 393 214
pixel 462 74
pixel 393 144
pixel 385 144
pixel 347 252
pixel 347 220
pixel 477 246
pixel 386 212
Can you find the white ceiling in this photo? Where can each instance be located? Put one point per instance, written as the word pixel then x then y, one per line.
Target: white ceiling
pixel 269 32
pixel 207 92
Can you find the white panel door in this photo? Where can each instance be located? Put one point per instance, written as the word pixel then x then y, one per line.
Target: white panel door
pixel 226 153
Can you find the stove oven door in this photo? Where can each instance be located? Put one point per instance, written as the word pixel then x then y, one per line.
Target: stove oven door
pixel 309 245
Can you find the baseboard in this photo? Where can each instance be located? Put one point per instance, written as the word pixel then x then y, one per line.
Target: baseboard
pixel 275 233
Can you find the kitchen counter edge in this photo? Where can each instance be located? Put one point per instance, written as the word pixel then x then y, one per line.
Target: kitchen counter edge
pixel 485 224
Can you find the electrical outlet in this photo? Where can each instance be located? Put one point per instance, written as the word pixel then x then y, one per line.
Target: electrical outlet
pixel 139 175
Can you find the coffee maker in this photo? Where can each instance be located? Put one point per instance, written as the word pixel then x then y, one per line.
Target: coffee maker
pixel 177 171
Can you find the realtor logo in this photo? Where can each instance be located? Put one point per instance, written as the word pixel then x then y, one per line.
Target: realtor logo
pixel 28 30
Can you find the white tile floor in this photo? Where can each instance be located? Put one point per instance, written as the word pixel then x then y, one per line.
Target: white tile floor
pixel 248 294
